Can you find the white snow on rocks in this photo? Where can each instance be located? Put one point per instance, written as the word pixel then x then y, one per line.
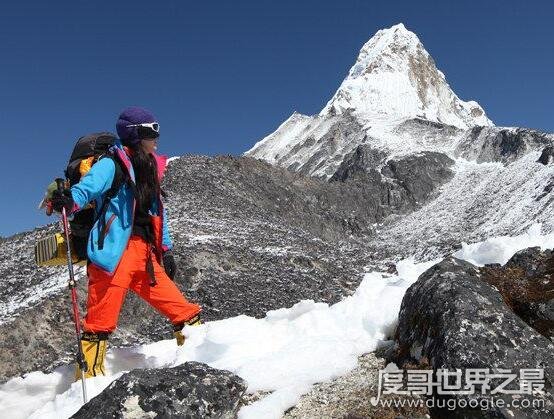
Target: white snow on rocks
pixel 10 308
pixel 285 352
pixel 501 249
pixel 482 200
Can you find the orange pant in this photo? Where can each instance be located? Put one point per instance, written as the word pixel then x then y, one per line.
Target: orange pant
pixel 106 293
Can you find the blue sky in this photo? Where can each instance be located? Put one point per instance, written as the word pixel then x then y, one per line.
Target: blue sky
pixel 220 75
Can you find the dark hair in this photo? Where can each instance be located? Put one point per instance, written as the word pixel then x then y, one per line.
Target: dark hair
pixel 146 176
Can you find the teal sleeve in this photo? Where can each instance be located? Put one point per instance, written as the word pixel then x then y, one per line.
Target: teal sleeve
pixel 95 183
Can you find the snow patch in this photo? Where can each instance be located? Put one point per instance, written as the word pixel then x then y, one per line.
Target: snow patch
pixel 501 249
pixel 36 293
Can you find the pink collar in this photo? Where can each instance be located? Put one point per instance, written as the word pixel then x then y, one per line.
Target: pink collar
pixel 161 162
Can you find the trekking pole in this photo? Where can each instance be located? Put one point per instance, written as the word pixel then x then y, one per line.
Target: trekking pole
pixel 72 287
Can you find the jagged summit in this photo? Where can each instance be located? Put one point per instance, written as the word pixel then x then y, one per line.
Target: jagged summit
pixel 393 99
pixel 386 51
pixel 394 75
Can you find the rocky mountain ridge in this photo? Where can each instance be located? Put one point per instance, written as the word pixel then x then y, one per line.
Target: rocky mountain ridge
pixel 487 180
pixel 393 99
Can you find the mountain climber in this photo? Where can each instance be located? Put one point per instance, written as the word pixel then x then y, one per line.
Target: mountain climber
pixel 136 247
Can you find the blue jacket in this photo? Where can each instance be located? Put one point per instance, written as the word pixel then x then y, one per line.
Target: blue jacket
pixel 118 222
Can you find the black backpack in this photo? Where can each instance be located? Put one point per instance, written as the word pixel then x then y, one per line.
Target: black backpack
pixel 87 151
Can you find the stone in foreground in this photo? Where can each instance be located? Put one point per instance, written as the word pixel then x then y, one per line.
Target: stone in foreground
pixel 191 390
pixel 452 319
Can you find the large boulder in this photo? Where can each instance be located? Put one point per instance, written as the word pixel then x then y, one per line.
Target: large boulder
pixel 191 390
pixel 452 319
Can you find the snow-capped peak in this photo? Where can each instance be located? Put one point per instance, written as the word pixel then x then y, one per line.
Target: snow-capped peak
pixel 387 50
pixel 394 75
pixel 386 100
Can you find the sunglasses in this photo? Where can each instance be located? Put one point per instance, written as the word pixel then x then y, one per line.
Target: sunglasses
pixel 154 126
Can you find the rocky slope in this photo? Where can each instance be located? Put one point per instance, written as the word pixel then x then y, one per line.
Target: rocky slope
pixel 249 237
pixel 503 196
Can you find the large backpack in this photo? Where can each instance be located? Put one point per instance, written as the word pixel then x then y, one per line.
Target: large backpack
pixel 87 151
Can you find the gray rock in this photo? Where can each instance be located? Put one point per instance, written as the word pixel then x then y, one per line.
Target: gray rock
pixel 349 396
pixel 361 165
pixel 452 319
pixel 423 127
pixel 532 261
pixel 420 174
pixel 488 144
pixel 402 184
pixel 191 390
pixel 547 156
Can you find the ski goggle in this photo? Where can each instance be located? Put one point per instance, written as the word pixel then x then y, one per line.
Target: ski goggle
pixel 154 126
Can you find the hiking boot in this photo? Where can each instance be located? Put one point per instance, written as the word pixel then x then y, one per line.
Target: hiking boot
pixel 93 346
pixel 178 329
